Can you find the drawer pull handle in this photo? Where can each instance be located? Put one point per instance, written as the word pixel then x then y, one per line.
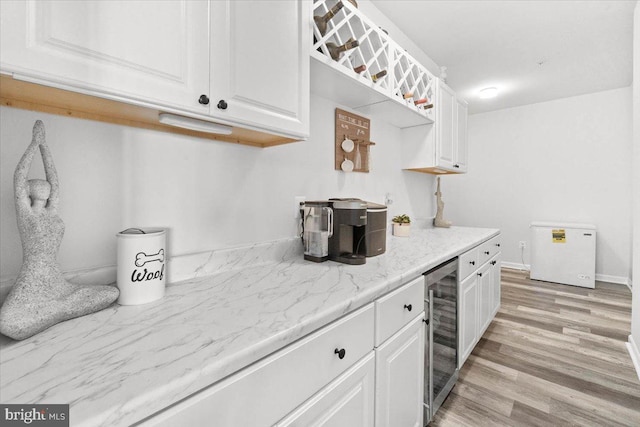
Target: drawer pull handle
pixel 472 262
pixel 408 307
pixel 340 352
pixel 487 252
pixel 480 274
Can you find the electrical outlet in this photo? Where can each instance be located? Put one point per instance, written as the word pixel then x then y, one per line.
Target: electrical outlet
pixel 523 244
pixel 298 200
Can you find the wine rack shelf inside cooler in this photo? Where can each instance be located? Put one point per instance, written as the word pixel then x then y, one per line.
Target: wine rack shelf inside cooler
pixel 337 80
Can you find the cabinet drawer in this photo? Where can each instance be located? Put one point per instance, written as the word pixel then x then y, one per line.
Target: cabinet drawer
pixel 266 391
pixel 468 263
pixel 489 249
pixel 398 308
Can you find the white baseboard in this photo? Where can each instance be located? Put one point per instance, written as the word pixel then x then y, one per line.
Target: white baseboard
pixel 619 280
pixel 516 266
pixel 634 351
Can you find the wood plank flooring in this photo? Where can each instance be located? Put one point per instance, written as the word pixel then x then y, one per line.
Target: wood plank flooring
pixel 555 355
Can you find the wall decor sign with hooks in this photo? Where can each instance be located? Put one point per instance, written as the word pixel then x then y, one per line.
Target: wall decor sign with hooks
pixel 352 142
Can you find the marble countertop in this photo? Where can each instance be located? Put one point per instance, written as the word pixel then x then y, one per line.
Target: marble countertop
pixel 124 363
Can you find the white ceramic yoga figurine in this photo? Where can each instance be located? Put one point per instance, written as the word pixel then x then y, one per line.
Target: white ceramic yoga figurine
pixel 41 297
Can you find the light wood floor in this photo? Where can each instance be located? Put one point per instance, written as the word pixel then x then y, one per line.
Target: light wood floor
pixel 555 355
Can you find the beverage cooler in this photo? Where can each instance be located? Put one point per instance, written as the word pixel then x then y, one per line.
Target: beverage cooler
pixel 441 340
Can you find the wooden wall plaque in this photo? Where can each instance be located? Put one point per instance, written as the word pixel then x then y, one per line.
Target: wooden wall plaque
pixel 356 128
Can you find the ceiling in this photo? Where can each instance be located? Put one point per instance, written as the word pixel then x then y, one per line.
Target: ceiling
pixel 532 51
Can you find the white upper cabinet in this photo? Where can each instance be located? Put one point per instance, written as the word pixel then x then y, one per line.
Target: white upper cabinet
pixel 242 63
pixel 139 50
pixel 260 63
pixel 440 148
pixel 461 146
pixel 446 126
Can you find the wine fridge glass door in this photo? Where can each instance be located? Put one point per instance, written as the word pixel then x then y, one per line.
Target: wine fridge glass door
pixel 442 289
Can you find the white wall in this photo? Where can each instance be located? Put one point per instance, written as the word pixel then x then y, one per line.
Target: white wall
pixel 208 194
pixel 635 307
pixel 565 160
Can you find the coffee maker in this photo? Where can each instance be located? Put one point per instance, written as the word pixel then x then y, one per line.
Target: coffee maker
pixel 372 239
pixel 349 221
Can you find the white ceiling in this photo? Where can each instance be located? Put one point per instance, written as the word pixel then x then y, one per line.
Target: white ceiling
pixel 532 50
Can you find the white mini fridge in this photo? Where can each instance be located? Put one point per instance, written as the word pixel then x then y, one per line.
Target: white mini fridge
pixel 564 253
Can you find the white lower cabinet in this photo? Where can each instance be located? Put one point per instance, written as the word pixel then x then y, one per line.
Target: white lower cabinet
pixel 495 283
pixel 467 317
pixel 400 377
pixel 337 376
pixel 485 298
pixel 265 392
pixel 478 294
pixel 346 402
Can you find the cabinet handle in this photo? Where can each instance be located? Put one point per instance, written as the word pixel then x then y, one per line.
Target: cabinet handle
pixel 487 252
pixel 426 321
pixel 204 100
pixel 493 263
pixel 222 104
pixel 498 244
pixel 456 166
pixel 472 262
pixel 340 352
pixel 408 307
pixel 480 274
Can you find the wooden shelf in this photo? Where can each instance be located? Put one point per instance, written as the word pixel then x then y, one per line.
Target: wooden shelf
pixel 434 171
pixel 30 96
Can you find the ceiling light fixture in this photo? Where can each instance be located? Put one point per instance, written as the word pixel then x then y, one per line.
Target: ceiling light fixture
pixel 194 124
pixel 489 92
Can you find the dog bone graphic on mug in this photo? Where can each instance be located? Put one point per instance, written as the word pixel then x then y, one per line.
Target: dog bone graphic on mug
pixel 142 258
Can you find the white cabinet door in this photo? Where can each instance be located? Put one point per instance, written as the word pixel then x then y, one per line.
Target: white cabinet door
pixel 400 378
pixel 485 298
pixel 461 149
pixel 467 318
pixel 137 50
pixel 346 402
pixel 445 126
pixel 496 280
pixel 260 64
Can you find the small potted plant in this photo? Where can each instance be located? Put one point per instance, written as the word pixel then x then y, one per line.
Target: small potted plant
pixel 401 225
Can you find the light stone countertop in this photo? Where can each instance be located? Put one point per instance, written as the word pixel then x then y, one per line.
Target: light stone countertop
pixel 124 363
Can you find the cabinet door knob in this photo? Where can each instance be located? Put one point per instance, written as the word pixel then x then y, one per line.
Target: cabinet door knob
pixel 204 100
pixel 456 166
pixel 487 252
pixel 340 352
pixel 472 262
pixel 408 307
pixel 222 104
pixel 498 244
pixel 480 274
pixel 493 263
pixel 426 321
